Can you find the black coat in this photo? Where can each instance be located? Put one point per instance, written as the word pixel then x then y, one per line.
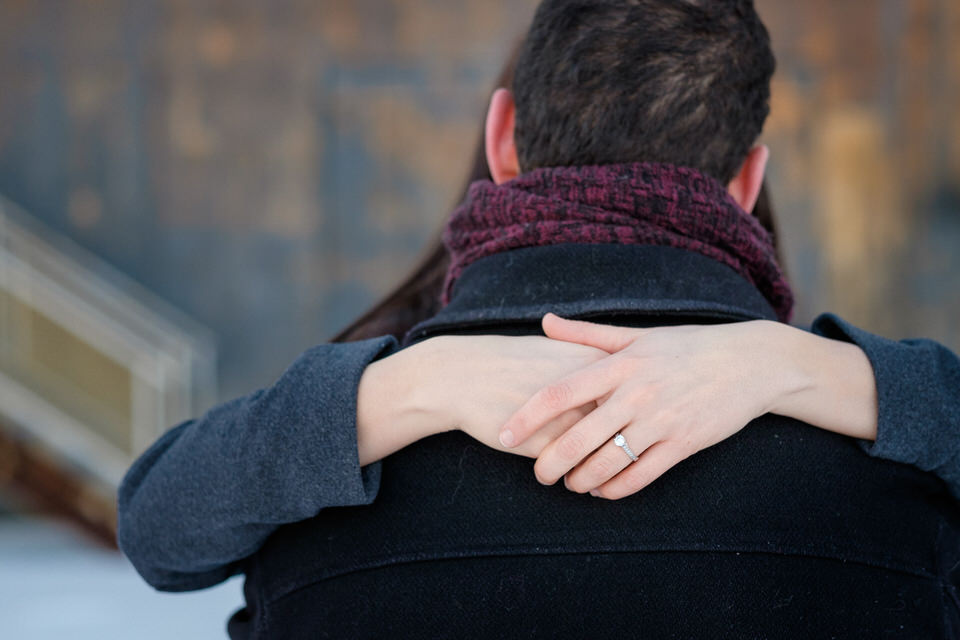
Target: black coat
pixel 783 530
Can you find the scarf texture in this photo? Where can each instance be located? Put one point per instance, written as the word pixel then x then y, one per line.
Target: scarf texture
pixel 644 203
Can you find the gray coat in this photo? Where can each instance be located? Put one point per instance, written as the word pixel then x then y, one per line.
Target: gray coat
pixel 208 493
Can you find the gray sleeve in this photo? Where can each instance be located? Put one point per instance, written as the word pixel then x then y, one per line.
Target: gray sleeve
pixel 210 491
pixel 918 393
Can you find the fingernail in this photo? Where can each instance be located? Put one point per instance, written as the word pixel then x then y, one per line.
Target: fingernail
pixel 506 438
pixel 594 493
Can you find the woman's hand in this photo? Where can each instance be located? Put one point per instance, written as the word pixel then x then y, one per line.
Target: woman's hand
pixel 480 381
pixel 673 391
pixel 471 383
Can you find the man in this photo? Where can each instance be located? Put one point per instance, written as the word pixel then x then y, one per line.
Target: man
pixel 779 531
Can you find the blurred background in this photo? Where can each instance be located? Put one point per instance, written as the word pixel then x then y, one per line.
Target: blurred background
pixel 192 192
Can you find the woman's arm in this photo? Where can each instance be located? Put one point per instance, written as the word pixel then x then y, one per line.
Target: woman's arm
pixel 469 383
pixel 833 383
pixel 674 391
pixel 209 492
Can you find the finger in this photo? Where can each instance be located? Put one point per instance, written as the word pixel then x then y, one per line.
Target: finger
pixel 581 440
pixel 609 460
pixel 555 428
pixel 586 385
pixel 653 463
pixel 601 336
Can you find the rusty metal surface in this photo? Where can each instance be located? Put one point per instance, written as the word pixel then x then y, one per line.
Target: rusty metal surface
pixel 269 168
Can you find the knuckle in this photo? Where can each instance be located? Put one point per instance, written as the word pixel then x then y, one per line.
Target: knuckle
pixel 519 424
pixel 570 447
pixel 638 395
pixel 556 395
pixel 602 468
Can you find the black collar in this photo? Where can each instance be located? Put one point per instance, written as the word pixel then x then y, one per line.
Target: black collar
pixel 584 280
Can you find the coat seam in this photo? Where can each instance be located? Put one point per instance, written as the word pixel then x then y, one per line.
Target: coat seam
pixel 505 552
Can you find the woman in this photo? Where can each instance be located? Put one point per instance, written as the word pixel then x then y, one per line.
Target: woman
pixel 210 491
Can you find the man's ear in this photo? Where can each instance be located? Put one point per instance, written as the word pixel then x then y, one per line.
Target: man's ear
pixel 745 186
pixel 500 146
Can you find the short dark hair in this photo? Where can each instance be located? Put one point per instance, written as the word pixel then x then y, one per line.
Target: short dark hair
pixel 684 82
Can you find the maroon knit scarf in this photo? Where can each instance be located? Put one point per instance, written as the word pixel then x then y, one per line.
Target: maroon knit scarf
pixel 651 204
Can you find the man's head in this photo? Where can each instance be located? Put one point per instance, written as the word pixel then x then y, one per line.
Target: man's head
pixel 684 82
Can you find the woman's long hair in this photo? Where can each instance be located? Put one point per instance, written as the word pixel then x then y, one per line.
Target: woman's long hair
pixel 418 296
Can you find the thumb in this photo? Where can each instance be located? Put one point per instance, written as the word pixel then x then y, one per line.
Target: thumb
pixel 600 336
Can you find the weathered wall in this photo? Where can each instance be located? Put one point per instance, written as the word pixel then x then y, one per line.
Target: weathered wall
pixel 270 167
pixel 865 131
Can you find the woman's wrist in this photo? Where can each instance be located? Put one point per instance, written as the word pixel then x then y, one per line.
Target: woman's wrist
pixel 397 402
pixel 827 383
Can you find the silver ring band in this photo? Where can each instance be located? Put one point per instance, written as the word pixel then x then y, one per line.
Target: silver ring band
pixel 621 442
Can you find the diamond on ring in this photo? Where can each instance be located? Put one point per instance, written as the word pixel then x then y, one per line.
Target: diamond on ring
pixel 621 442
